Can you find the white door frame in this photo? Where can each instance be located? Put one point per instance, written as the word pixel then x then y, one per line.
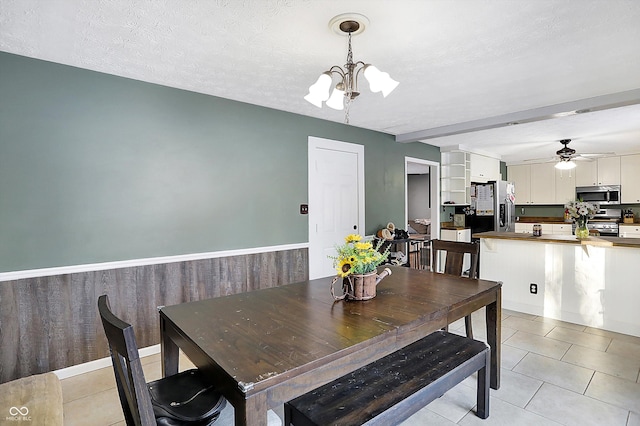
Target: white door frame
pixel 434 181
pixel 315 143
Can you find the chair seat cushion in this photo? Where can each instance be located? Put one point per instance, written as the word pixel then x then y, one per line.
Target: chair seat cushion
pixel 186 397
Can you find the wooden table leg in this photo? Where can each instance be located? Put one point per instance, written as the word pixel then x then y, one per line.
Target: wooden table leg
pixel 494 337
pixel 169 351
pixel 254 411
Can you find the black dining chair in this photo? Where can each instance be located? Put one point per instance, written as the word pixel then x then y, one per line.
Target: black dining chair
pixel 186 398
pixel 454 264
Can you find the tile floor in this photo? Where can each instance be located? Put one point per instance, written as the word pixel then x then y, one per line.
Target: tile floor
pixel 553 373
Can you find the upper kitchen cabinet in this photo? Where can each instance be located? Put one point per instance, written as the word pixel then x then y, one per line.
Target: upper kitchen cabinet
pixel 565 186
pixel 543 183
pixel 484 169
pixel 630 179
pixel 604 171
pixel 521 177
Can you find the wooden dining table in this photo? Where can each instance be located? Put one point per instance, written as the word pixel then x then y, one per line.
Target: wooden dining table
pixel 266 347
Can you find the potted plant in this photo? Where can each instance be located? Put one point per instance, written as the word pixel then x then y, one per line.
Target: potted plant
pixel 356 264
pixel 581 211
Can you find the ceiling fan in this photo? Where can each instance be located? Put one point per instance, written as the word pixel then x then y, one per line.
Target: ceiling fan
pixel 566 156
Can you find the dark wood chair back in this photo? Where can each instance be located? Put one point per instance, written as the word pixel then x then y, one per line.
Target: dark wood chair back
pixel 132 387
pixel 454 259
pixel 454 265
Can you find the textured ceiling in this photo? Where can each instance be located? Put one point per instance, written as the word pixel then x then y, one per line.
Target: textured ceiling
pixel 457 61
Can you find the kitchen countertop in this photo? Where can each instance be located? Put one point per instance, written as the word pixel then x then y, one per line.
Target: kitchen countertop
pixel 541 219
pixel 562 239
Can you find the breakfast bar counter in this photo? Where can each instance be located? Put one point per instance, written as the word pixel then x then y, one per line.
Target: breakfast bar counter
pixel 592 282
pixel 561 239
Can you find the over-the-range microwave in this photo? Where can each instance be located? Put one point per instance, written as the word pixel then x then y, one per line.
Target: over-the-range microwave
pixel 609 194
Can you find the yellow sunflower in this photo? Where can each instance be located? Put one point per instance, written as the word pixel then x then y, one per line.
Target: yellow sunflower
pixel 344 268
pixel 352 238
pixel 363 246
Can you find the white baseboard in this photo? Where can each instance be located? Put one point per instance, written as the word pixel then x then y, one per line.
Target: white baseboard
pixel 90 366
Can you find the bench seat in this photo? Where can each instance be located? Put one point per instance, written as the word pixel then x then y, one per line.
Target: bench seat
pixel 391 389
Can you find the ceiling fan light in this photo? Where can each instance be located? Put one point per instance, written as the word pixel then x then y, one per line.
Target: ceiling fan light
pixel 319 91
pixel 565 165
pixel 379 81
pixel 336 101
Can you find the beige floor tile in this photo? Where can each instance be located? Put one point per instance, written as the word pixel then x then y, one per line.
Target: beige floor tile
pixel 102 408
pixel 86 384
pixel 608 363
pixel 599 343
pixel 510 313
pixel 559 373
pixel 534 327
pixel 427 417
pixel 516 388
pixel 538 344
pixel 511 356
pixel 613 335
pixel 574 409
pixel 559 323
pixel 619 392
pixel 625 349
pixel 502 413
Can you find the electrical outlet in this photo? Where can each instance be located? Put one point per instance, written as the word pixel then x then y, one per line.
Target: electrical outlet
pixel 304 208
pixel 533 288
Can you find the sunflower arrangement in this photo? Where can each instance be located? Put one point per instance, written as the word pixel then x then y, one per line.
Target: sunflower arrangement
pixel 358 257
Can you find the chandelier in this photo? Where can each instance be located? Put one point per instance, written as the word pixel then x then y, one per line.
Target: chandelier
pixel 346 89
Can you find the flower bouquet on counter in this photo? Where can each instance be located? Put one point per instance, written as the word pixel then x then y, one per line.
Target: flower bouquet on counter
pixel 581 211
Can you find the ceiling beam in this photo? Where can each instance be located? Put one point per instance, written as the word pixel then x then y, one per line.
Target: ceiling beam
pixel 598 103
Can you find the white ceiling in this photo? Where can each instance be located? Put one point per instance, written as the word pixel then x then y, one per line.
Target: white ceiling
pixel 462 64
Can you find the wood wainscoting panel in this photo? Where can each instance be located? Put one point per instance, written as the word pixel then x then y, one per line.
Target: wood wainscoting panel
pixel 49 323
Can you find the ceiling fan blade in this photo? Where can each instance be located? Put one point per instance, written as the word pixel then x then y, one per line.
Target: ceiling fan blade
pixel 601 154
pixel 541 160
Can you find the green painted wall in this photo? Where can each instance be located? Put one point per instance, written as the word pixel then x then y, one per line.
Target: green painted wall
pixel 97 168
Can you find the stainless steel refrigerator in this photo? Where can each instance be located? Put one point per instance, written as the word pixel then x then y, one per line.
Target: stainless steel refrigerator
pixel 492 208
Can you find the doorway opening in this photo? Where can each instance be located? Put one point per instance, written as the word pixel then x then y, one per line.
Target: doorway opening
pixel 422 196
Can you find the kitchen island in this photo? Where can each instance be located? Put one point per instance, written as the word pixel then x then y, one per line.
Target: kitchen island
pixel 593 282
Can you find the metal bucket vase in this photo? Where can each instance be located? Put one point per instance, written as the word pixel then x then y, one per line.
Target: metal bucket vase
pixel 359 286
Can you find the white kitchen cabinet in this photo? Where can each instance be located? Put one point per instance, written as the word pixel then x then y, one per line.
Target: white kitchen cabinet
pixel 547 228
pixel 520 175
pixel 456 177
pixel 603 171
pixel 484 169
pixel 562 229
pixel 543 183
pixel 630 179
pixel 463 235
pixel 629 231
pixel 565 186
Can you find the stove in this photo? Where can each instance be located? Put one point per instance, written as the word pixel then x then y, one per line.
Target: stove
pixel 605 221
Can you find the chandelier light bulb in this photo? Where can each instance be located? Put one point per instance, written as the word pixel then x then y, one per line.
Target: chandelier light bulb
pixel 319 91
pixel 379 81
pixel 336 101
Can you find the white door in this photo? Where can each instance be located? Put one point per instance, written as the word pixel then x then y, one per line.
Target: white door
pixel 336 200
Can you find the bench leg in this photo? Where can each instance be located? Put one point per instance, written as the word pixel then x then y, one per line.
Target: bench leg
pixel 484 379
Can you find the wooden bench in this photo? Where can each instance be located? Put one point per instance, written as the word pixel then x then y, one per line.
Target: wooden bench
pixel 391 389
